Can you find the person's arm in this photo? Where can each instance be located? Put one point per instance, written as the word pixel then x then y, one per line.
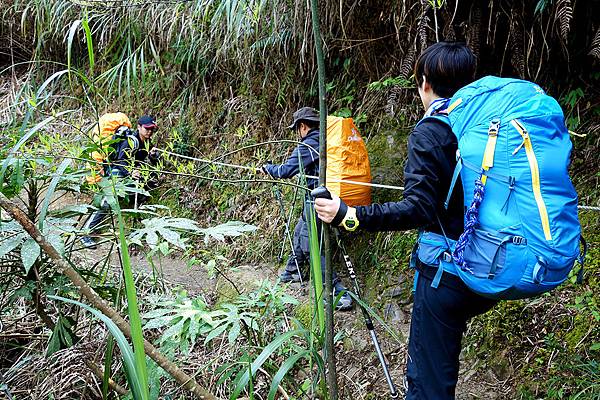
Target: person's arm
pixel 421 193
pixel 291 167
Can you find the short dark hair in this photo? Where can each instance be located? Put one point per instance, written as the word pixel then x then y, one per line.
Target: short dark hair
pixel 448 66
pixel 309 123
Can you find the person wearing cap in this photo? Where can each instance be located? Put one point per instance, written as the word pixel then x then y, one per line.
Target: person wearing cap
pixel 306 124
pixel 133 150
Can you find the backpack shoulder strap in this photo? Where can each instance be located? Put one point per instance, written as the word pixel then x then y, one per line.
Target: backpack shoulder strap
pixel 441 116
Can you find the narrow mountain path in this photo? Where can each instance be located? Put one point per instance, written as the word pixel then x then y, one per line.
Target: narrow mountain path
pixel 359 371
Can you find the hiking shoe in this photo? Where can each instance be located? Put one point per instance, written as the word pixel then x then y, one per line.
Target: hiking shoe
pixel 287 276
pixel 345 301
pixel 88 242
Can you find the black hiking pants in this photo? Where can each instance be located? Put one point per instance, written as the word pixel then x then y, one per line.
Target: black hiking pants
pixel 300 257
pixel 439 319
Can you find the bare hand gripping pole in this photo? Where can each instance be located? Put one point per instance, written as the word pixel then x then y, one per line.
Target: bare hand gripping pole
pixel 322 192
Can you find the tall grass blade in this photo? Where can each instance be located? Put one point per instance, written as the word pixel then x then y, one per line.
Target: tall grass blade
pixel 24 139
pixel 110 345
pixel 315 264
pixel 374 314
pixel 108 357
pixel 70 37
pixel 250 383
pixel 51 189
pixel 48 81
pixel 135 321
pixel 131 371
pixel 284 369
pixel 314 254
pixel 88 40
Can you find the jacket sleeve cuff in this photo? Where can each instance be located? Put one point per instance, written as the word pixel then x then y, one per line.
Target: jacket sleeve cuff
pixel 341 214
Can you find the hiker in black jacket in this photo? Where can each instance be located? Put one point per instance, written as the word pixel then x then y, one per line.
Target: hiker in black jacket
pixel 127 155
pixel 135 149
pixel 306 123
pixel 440 314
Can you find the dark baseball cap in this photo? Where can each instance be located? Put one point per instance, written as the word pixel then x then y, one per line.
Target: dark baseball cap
pixel 147 121
pixel 305 113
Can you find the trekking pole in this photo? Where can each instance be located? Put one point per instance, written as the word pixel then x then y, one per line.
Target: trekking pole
pixel 288 220
pixel 322 192
pixel 287 234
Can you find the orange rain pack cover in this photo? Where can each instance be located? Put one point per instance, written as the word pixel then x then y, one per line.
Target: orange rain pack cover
pixel 347 159
pixel 102 134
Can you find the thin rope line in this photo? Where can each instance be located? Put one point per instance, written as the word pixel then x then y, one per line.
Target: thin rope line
pixel 154 169
pixel 377 185
pixel 590 208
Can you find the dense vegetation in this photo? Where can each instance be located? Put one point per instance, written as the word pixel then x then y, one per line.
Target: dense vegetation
pixel 223 76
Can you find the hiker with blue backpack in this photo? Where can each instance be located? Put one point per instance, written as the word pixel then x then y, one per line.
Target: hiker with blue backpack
pixel 486 185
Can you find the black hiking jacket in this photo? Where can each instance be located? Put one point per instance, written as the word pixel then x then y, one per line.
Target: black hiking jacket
pixel 431 160
pixel 129 152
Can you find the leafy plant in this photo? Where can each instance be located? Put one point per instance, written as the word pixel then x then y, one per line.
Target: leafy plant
pixel 571 102
pixel 62 336
pixel 170 229
pixel 231 318
pixel 436 3
pixel 572 97
pixel 14 237
pixel 185 320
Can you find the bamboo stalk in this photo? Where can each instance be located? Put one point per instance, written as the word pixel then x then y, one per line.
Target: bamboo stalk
pixel 96 301
pixel 329 348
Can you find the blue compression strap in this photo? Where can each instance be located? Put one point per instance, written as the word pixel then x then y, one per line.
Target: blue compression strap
pixel 516 240
pixel 414 288
pixel 438 276
pixel 489 174
pixel 457 170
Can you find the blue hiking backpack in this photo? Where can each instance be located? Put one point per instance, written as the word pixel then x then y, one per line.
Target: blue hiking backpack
pixel 522 231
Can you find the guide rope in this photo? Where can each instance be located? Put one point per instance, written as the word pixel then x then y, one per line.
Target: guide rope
pixel 253 169
pixel 256 169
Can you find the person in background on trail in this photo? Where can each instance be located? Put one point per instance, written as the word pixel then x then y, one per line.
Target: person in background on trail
pixel 132 151
pixel 306 124
pixel 439 315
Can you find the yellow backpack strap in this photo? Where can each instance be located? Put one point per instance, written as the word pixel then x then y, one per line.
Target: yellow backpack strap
pixel 452 106
pixel 490 147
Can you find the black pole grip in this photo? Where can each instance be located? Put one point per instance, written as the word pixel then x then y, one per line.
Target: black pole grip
pixel 321 192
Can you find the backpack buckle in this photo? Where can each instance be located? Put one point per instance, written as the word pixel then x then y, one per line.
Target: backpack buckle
pixel 447 257
pixel 519 240
pixel 494 127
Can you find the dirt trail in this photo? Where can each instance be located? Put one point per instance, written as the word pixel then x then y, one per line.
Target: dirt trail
pixel 359 370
